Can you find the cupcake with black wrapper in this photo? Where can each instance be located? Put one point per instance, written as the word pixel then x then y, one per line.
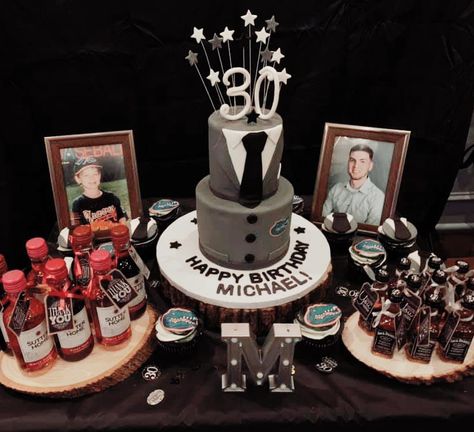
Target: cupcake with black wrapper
pixel 365 257
pixel 165 212
pixel 143 235
pixel 339 229
pixel 398 235
pixel 177 330
pixel 320 324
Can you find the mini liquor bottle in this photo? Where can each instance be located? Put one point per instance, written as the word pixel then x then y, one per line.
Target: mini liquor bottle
pixel 81 242
pixel 438 285
pixel 32 347
pixel 37 250
pixel 385 339
pixel 4 302
pixel 459 278
pixel 410 305
pixel 434 263
pixel 111 324
pixel 380 286
pixel 125 263
pixel 402 268
pixel 77 343
pixel 460 333
pixel 422 352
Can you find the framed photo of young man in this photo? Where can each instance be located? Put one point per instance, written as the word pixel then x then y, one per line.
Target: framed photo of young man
pixel 360 170
pixel 94 179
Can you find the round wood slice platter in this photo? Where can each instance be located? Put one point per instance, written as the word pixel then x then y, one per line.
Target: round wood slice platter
pixel 399 367
pixel 100 370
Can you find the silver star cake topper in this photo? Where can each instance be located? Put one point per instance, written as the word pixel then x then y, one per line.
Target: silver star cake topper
pixel 272 24
pixel 192 58
pixel 216 42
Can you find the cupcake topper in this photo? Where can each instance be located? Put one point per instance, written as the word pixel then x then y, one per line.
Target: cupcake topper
pixel 251 79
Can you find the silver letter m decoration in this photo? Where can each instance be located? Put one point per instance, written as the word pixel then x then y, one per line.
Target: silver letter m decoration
pixel 279 346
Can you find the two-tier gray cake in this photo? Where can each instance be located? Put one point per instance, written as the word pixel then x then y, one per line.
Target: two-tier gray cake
pixel 244 229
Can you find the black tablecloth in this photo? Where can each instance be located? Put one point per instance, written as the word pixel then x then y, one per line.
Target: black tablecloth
pixel 352 396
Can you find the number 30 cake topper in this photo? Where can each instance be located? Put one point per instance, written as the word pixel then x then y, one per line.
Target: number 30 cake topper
pixel 256 71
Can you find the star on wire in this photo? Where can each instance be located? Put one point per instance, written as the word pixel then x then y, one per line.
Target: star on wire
pixel 272 24
pixel 277 56
pixel 227 35
pixel 248 18
pixel 216 42
pixel 266 55
pixel 192 58
pixel 283 76
pixel 198 34
pixel 213 77
pixel 262 35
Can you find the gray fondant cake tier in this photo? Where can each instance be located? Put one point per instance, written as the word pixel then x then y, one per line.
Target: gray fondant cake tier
pixel 227 154
pixel 235 236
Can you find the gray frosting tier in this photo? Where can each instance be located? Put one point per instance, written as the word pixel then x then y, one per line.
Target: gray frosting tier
pixel 223 178
pixel 235 236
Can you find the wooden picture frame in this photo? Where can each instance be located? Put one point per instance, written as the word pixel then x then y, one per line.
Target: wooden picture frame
pixel 337 173
pixel 113 152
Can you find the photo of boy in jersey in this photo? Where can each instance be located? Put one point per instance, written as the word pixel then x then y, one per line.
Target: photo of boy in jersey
pixel 95 206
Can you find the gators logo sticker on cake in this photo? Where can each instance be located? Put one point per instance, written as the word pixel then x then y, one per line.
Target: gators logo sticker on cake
pixel 279 227
pixel 369 248
pixel 322 315
pixel 179 320
pixel 163 207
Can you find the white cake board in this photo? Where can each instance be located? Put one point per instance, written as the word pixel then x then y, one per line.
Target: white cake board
pixel 200 278
pixel 359 343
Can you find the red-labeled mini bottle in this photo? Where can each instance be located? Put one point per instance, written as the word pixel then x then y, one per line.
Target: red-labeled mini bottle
pixel 33 349
pixel 125 263
pixel 77 343
pixel 37 250
pixel 111 324
pixel 81 242
pixel 4 302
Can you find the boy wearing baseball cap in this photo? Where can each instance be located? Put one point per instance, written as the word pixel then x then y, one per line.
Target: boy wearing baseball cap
pixel 99 208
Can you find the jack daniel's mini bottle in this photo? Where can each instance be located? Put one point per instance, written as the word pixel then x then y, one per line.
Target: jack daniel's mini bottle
pixel 385 332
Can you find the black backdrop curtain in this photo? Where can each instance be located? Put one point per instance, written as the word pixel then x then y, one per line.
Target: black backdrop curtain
pixel 85 66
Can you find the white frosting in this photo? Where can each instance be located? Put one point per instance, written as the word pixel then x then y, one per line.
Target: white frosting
pixel 317 335
pixel 388 228
pixel 329 220
pixel 237 150
pixel 192 281
pixel 236 91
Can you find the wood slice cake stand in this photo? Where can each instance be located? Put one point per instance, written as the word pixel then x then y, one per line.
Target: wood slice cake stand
pixel 98 371
pixel 259 297
pixel 359 343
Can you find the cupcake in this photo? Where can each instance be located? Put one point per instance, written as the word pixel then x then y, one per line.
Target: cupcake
pixel 298 205
pixel 177 331
pixel 365 257
pixel 320 324
pixel 143 235
pixel 339 229
pixel 64 244
pixel 165 212
pixel 398 235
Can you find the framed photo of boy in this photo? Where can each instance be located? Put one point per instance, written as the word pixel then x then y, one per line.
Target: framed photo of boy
pixel 360 170
pixel 94 179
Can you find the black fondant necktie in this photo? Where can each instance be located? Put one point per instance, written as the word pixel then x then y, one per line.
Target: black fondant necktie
pixel 251 185
pixel 401 231
pixel 341 223
pixel 141 231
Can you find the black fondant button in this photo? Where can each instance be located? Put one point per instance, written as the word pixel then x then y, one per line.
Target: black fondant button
pixel 251 219
pixel 249 258
pixel 250 238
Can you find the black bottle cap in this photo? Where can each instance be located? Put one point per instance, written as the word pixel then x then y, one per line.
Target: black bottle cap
pixel 382 275
pixel 463 266
pixel 414 282
pixel 404 264
pixel 468 300
pixel 435 262
pixel 439 276
pixel 396 295
pixel 434 299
